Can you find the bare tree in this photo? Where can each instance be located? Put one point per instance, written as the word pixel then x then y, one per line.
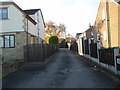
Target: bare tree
pixel 54 29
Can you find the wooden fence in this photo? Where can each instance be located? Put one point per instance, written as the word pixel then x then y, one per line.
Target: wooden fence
pixel 83 49
pixel 87 46
pixel 74 47
pixel 38 52
pixel 93 50
pixel 107 56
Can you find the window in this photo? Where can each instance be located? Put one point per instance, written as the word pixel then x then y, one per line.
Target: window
pixel 3 13
pixel 12 41
pixel 103 14
pixel 104 36
pixel 98 37
pixel 32 40
pixel 7 41
pixel 92 34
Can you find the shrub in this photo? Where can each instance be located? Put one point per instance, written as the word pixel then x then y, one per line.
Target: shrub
pixel 53 40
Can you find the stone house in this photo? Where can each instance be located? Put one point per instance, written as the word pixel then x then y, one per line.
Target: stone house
pixel 107 23
pixel 18 29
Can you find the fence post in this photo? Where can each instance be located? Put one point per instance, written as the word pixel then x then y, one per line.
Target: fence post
pixel 98 47
pixel 25 53
pixel 89 42
pixel 116 53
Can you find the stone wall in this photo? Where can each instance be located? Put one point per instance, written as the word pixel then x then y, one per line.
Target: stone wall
pixel 17 53
pixel 13 54
pixel 13 58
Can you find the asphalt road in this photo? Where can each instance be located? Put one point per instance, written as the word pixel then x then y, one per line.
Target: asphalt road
pixel 63 70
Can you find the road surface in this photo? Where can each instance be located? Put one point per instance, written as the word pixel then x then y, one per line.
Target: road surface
pixel 63 70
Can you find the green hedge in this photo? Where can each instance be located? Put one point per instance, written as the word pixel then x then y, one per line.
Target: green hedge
pixel 53 40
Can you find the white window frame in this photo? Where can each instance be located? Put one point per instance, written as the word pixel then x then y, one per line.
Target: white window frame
pixel 2 13
pixel 98 37
pixel 8 42
pixel 104 35
pixel 103 14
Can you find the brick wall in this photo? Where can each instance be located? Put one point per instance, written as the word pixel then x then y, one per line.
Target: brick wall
pixel 13 54
pixel 113 20
pixel 13 58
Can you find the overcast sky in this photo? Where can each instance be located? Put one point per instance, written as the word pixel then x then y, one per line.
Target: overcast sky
pixel 75 14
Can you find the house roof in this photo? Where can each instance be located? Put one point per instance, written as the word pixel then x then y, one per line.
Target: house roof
pixel 78 34
pixel 118 1
pixel 31 11
pixel 22 11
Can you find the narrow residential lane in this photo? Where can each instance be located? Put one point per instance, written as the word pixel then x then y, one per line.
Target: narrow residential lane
pixel 63 70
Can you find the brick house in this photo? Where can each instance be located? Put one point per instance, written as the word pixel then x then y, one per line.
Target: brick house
pixel 107 23
pixel 18 29
pixel 103 37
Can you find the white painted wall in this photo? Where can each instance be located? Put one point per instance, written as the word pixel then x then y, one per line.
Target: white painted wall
pixel 33 17
pixel 79 42
pixel 32 29
pixel 40 24
pixel 15 20
pixel 42 28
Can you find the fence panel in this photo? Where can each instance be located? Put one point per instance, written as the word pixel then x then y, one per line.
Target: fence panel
pixel 74 47
pixel 83 49
pixel 87 46
pixel 38 52
pixel 93 50
pixel 107 56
